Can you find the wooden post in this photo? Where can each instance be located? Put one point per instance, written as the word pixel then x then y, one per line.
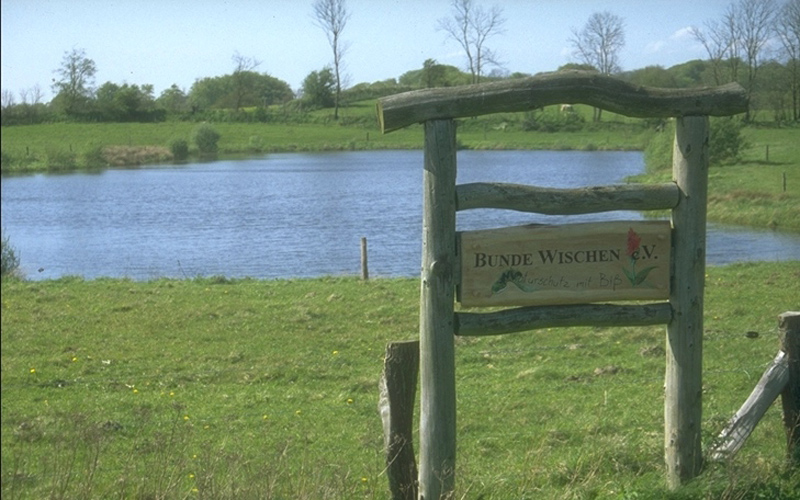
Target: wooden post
pixel 683 380
pixel 744 421
pixel 437 351
pixel 789 323
pixel 364 265
pixel 398 388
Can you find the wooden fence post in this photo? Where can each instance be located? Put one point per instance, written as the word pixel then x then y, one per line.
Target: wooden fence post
pixel 683 379
pixel 364 264
pixel 398 389
pixel 789 323
pixel 437 455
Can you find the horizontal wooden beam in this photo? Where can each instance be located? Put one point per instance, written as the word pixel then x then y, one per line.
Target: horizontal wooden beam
pixel 564 87
pixel 554 201
pixel 536 317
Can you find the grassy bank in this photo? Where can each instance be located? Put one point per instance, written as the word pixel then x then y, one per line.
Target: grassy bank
pixel 268 389
pixel 71 146
pixel 762 189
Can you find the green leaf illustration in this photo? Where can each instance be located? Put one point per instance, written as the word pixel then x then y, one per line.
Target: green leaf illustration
pixel 642 275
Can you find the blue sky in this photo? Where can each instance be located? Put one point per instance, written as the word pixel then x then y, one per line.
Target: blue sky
pixel 165 42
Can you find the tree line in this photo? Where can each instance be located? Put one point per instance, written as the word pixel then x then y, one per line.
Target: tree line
pixel 755 43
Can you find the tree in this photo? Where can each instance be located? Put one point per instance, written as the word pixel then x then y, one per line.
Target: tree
pixel 173 100
pixel 74 88
pixel 318 89
pixel 472 26
pixel 243 68
pixel 755 21
pixel 598 44
pixel 433 74
pixel 717 39
pixel 787 28
pixel 331 16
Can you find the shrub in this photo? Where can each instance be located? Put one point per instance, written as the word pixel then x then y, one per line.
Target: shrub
pixel 725 141
pixel 206 138
pixel 552 121
pixel 179 149
pixel 9 260
pixel 94 158
pixel 255 144
pixel 59 159
pixel 658 152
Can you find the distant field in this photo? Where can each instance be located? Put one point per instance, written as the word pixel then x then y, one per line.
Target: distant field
pixel 213 388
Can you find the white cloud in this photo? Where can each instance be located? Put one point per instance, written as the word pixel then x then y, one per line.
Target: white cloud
pixel 682 34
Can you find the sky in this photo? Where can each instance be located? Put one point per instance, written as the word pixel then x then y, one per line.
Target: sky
pixel 166 42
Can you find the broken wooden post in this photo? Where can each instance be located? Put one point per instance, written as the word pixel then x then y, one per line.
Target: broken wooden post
pixel 769 386
pixel 789 323
pixel 398 390
pixel 437 428
pixel 683 380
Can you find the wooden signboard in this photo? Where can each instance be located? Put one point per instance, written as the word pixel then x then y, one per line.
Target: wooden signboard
pixel 569 264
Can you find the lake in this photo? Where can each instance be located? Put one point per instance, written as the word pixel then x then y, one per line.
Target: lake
pixel 291 215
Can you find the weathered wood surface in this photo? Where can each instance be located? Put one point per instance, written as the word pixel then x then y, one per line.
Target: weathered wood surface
pixel 554 201
pixel 536 265
pixel 789 324
pixel 565 87
pixel 437 322
pixel 733 437
pixel 538 317
pixel 398 389
pixel 684 370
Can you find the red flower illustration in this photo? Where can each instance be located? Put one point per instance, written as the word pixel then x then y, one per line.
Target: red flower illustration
pixel 634 240
pixel 635 277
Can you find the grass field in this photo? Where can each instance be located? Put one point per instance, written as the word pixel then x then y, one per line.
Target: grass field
pixel 213 388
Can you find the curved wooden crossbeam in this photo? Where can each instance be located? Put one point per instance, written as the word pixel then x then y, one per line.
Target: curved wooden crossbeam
pixel 554 201
pixel 563 87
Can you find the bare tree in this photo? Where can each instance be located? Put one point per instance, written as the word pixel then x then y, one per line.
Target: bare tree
pixel 787 28
pixel 242 66
pixel 598 44
pixel 472 26
pixel 717 40
pixel 755 22
pixel 331 16
pixel 7 99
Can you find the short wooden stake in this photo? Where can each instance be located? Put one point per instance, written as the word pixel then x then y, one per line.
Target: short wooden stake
pixel 398 390
pixel 684 378
pixel 789 323
pixel 364 264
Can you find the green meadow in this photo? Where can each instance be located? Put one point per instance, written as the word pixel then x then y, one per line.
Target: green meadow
pixel 215 388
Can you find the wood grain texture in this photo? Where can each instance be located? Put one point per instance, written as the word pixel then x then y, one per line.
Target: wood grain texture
pixel 564 87
pixel 555 201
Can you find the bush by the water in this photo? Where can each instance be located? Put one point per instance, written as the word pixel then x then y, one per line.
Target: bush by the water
pixel 725 140
pixel 206 138
pixel 9 260
pixel 725 144
pixel 179 149
pixel 552 120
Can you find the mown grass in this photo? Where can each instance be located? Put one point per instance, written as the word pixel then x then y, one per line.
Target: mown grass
pixel 214 388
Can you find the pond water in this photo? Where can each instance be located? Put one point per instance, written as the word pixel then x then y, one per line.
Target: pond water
pixel 291 215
